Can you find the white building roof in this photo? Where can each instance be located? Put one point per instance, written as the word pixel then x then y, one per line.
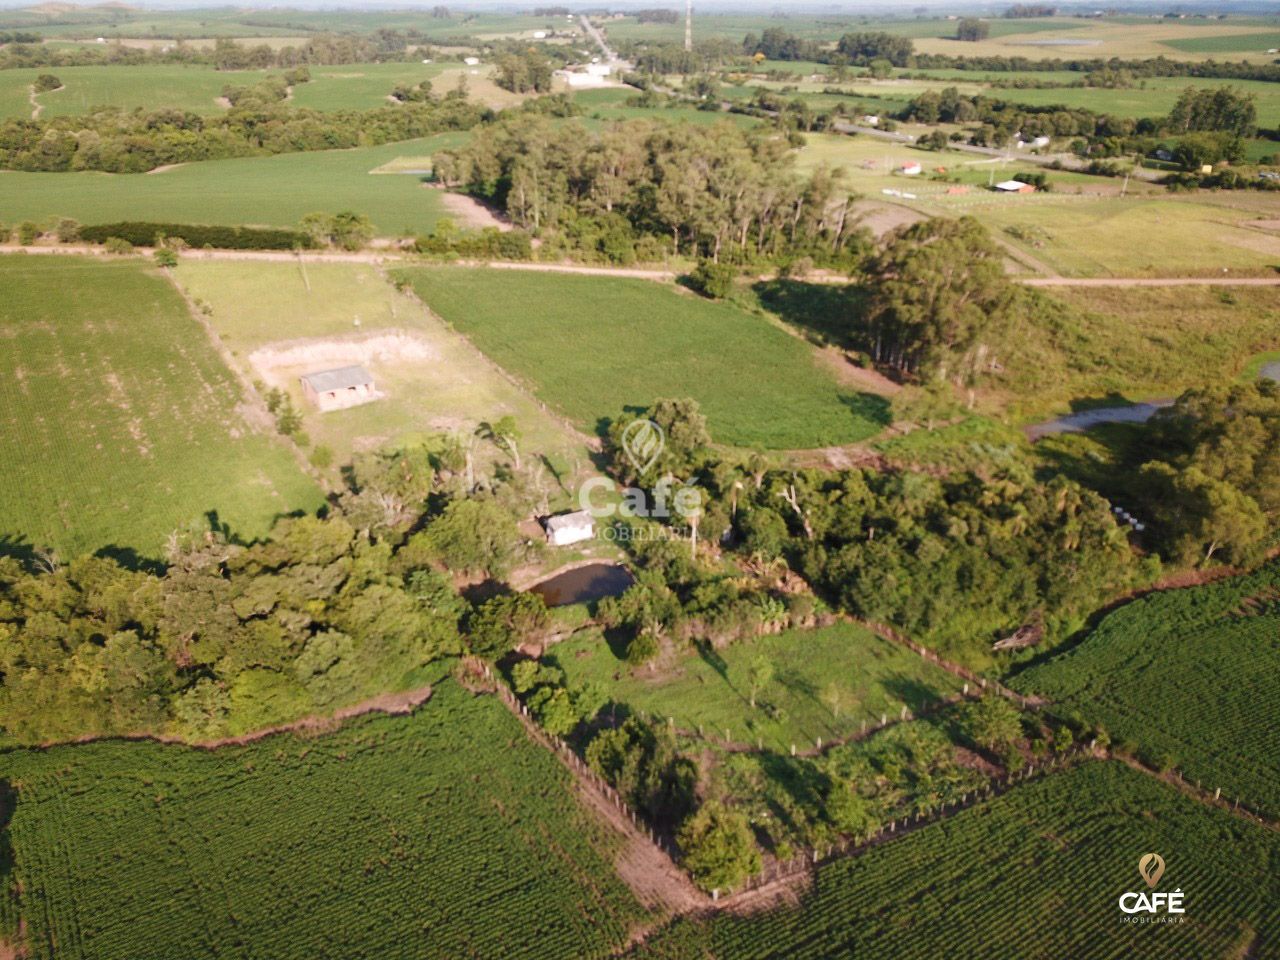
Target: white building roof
pixel 340 378
pixel 1012 186
pixel 579 520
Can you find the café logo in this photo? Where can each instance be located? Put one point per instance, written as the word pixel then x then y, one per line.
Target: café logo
pixel 1152 905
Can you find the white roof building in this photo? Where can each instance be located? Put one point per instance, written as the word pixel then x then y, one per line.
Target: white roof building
pixel 339 388
pixel 569 528
pixel 1015 186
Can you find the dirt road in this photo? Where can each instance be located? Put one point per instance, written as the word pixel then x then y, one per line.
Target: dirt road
pixel 391 256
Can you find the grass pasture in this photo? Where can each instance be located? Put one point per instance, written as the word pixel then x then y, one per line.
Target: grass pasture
pixel 1035 872
pixel 712 690
pixel 118 421
pixel 446 833
pixel 593 347
pixel 445 387
pixel 273 191
pixel 1190 677
pixel 1198 235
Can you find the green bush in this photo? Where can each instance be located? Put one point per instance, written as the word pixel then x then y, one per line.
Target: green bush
pixel 713 280
pixel 27 233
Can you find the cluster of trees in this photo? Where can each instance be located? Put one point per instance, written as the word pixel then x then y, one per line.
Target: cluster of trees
pixel 639 187
pixel 1215 109
pixel 777 44
pixel 938 303
pixel 118 142
pixel 657 16
pixel 231 637
pixel 972 29
pixel 863 49
pixel 1001 119
pixel 1213 487
pixel 1028 10
pixel 524 70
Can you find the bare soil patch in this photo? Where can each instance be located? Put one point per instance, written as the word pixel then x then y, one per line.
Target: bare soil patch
pixel 278 363
pixel 470 212
pixel 880 218
pixel 863 379
pixel 165 168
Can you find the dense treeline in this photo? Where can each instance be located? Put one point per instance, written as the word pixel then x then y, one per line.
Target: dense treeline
pixel 956 562
pixel 233 637
pixel 1153 67
pixel 320 50
pixel 639 187
pixel 115 141
pixel 1001 119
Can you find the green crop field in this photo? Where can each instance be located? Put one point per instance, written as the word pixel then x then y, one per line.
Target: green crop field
pixel 1253 42
pixel 269 191
pixel 594 347
pixel 1154 98
pixel 1191 677
pixel 118 421
pixel 1036 872
pixel 440 385
pixel 712 690
pixel 196 88
pixel 154 87
pixel 442 834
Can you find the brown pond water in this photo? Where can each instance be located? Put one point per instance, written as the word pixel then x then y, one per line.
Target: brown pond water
pixel 595 581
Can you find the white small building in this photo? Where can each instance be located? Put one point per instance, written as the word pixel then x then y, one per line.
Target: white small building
pixel 339 388
pixel 471 61
pixel 1014 186
pixel 911 169
pixel 870 120
pixel 569 528
pixel 539 34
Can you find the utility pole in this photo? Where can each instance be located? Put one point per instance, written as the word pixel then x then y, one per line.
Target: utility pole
pixel 688 24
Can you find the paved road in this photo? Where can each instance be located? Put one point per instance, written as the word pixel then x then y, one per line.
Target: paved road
pixel 610 57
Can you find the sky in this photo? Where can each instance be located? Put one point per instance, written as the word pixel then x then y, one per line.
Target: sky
pixel 901 7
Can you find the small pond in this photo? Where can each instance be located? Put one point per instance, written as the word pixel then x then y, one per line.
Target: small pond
pixel 1128 413
pixel 593 581
pixel 1084 419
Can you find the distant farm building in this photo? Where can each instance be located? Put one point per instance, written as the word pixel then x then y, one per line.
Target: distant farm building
pixel 569 528
pixel 594 74
pixel 1015 186
pixel 912 169
pixel 871 120
pixel 340 388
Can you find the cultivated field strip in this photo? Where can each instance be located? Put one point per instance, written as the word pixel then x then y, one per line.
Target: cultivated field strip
pixel 444 833
pixel 1035 872
pixel 1191 679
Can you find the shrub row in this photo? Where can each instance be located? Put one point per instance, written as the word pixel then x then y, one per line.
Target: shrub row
pixel 143 234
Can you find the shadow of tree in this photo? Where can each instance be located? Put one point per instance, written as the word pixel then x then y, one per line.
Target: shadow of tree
pixel 827 313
